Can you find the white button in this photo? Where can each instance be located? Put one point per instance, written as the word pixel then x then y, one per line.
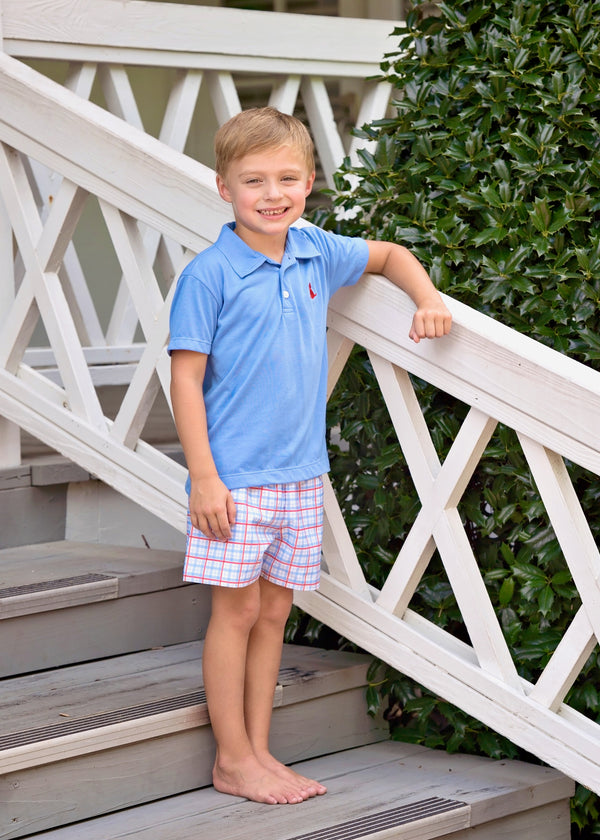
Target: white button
pixel 286 294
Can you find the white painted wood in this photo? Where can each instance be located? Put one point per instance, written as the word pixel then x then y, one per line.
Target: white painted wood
pixel 31 25
pixel 174 133
pixel 338 350
pixel 373 106
pixel 570 525
pixel 137 270
pixel 80 78
pixel 571 654
pixel 10 434
pixel 144 480
pixel 108 164
pixel 7 280
pixel 18 326
pixel 566 742
pixel 518 374
pixel 180 109
pixel 325 134
pixel 10 444
pixel 41 258
pixel 224 95
pixel 43 357
pixel 409 423
pixel 71 273
pixel 284 94
pixel 340 555
pixel 145 383
pixel 119 95
pixel 19 203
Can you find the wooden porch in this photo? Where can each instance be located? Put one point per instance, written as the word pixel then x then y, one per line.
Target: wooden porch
pixel 104 731
pixel 99 633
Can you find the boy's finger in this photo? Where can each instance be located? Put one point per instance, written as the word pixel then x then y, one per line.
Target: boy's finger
pixel 230 509
pixel 201 523
pixel 426 325
pixel 220 526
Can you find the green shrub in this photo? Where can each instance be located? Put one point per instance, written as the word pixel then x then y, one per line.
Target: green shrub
pixel 489 170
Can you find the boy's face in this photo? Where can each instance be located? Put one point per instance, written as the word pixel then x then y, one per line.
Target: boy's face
pixel 267 191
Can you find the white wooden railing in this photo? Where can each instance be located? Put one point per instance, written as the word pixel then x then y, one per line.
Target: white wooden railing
pixel 158 206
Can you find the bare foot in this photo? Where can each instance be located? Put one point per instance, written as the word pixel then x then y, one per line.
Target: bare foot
pixel 250 779
pixel 307 787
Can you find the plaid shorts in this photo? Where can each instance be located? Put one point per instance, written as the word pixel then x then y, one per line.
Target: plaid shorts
pixel 277 535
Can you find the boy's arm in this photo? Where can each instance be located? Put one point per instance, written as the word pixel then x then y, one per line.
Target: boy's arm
pixel 432 318
pixel 212 508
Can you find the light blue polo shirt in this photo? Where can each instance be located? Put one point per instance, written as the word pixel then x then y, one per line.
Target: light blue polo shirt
pixel 263 326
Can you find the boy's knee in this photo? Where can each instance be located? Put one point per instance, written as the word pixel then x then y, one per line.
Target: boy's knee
pixel 275 604
pixel 239 607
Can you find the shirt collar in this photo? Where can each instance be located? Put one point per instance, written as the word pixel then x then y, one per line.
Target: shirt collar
pixel 244 260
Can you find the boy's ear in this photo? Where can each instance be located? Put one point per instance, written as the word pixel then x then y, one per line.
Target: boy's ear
pixel 309 182
pixel 223 191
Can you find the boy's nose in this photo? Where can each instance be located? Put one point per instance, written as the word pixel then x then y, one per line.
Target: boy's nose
pixel 272 189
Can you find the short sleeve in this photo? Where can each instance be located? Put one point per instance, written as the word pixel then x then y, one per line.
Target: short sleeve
pixel 194 315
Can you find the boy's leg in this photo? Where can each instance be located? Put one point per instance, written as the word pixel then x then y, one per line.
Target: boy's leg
pixel 237 770
pixel 263 660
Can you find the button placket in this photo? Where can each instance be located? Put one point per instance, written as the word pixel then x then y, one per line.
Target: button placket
pixel 285 293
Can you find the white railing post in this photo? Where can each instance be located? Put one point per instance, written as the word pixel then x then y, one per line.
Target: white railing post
pixel 10 433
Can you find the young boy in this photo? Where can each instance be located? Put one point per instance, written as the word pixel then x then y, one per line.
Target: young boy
pixel 248 358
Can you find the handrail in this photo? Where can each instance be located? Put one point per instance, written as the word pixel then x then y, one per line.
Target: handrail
pixel 182 188
pixel 176 35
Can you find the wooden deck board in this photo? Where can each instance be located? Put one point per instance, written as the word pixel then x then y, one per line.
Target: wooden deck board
pixel 319 707
pixel 148 676
pixel 108 628
pixel 362 781
pixel 138 569
pixel 65 602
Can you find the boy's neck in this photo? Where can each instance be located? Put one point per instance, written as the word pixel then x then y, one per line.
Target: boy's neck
pixel 272 247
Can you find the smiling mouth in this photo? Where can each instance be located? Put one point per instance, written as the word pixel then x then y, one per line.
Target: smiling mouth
pixel 280 211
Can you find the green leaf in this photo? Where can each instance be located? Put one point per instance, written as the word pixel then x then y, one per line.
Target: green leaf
pixel 506 592
pixel 546 600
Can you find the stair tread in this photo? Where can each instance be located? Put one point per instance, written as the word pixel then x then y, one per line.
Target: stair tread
pixel 55 575
pixel 81 692
pixel 378 780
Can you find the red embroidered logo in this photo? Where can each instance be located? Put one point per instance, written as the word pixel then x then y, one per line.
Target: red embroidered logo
pixel 313 294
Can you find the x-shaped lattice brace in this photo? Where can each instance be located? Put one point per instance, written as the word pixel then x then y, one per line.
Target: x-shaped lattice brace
pixel 438 524
pixel 42 247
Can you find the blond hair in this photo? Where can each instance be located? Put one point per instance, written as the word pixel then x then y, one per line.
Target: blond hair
pixel 256 130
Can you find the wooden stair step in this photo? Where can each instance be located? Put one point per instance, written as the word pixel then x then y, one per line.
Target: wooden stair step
pixel 383 791
pixel 100 736
pixel 28 571
pixel 65 602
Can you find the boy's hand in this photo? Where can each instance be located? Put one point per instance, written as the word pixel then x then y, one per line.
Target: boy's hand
pixel 431 320
pixel 212 509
